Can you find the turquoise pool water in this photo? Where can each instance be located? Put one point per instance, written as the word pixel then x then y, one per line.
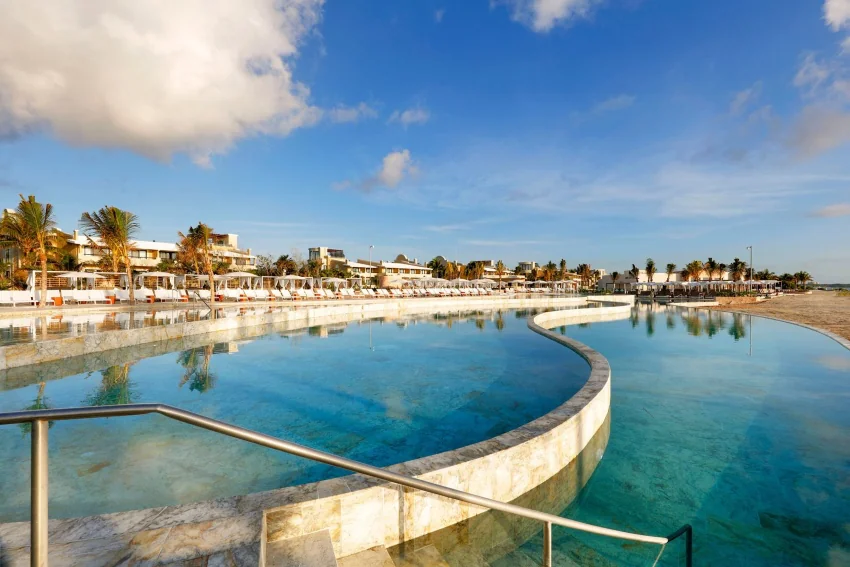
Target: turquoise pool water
pixel 381 391
pixel 737 425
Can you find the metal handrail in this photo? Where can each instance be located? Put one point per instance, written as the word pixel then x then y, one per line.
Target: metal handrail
pixel 39 515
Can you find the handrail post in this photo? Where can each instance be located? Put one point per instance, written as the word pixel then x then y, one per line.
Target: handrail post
pixel 38 495
pixel 547 544
pixel 689 547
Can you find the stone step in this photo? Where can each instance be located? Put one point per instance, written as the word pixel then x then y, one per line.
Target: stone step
pixel 427 556
pixel 309 550
pixel 374 557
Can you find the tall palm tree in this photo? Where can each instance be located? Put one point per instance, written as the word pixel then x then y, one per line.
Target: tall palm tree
pixel 635 273
pixel 32 224
pixel 563 266
pixel 802 278
pixel 115 228
pixel 500 271
pixel 670 269
pixel 711 267
pixel 694 270
pixel 614 277
pixel 188 250
pixel 199 239
pixel 737 269
pixel 788 280
pixel 650 269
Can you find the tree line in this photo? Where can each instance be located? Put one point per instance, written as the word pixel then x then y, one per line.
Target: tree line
pixel 696 269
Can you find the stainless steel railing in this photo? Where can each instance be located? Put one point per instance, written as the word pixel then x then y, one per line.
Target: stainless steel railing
pixel 39 479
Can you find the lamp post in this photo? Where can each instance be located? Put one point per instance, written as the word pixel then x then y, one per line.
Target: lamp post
pixel 750 248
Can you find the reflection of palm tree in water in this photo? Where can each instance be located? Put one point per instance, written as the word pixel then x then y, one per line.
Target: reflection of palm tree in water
pixel 738 330
pixel 671 321
pixel 694 324
pixel 715 323
pixel 650 323
pixel 634 317
pixel 196 361
pixel 39 403
pixel 500 321
pixel 115 387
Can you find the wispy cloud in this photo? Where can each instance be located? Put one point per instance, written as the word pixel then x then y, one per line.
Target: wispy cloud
pixel 410 116
pixel 455 227
pixel 832 211
pixel 395 168
pixel 342 114
pixel 543 15
pixel 837 13
pixel 744 98
pixel 271 224
pixel 504 243
pixel 438 15
pixel 619 102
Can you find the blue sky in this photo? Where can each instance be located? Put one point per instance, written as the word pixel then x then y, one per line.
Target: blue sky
pixel 599 131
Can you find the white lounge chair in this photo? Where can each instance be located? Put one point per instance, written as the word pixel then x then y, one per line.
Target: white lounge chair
pixel 262 294
pixel 396 293
pixel 285 294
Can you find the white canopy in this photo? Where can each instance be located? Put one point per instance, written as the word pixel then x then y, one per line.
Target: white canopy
pixel 79 276
pixel 140 278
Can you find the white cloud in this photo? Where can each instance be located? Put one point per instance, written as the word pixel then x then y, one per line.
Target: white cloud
pixel 352 113
pixel 410 116
pixel 618 102
pixel 543 15
pixel 837 13
pixel 831 211
pixel 812 73
pixel 395 167
pixel 154 77
pixel 820 129
pixel 845 46
pixel 743 98
pixel 438 15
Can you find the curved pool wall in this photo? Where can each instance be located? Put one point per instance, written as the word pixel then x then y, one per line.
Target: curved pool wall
pixel 359 512
pixel 26 354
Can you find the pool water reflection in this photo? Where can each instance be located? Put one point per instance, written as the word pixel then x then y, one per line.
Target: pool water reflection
pixel 381 391
pixel 736 424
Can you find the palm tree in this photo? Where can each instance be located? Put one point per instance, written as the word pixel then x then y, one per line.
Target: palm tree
pixel 196 362
pixel 115 228
pixel 585 273
pixel 802 278
pixel 500 271
pixel 563 266
pixel 199 240
pixel 635 273
pixel 711 267
pixel 614 277
pixel 670 269
pixel 188 250
pixel 737 269
pixel 32 224
pixel 650 269
pixel 788 280
pixel 438 268
pixel 694 270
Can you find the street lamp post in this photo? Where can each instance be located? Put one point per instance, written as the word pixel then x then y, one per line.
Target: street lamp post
pixel 750 248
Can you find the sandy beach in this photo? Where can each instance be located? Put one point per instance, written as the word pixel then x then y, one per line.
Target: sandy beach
pixel 824 309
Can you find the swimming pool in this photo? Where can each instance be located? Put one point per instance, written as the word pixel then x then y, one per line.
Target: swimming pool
pixel 379 391
pixel 736 424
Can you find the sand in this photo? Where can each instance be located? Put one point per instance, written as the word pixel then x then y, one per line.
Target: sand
pixel 822 309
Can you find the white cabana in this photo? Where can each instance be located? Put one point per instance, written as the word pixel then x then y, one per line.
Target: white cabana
pixel 335 282
pixel 290 282
pixel 246 279
pixel 482 282
pixel 75 276
pixel 158 276
pixel 460 282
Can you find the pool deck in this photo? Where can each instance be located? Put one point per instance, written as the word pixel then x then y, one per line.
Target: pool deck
pixel 359 512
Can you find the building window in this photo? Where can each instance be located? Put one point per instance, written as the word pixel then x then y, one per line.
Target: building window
pixel 138 254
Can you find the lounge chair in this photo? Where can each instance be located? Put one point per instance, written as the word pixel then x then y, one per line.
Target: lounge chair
pixel 98 296
pixel 145 295
pixel 396 293
pixel 163 295
pixel 384 293
pixel 302 294
pixel 203 294
pixel 285 294
pixel 262 294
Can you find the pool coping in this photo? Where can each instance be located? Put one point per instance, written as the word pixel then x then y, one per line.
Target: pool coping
pixel 174 533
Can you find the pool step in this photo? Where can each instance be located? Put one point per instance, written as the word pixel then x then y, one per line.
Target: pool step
pixel 374 557
pixel 310 550
pixel 427 556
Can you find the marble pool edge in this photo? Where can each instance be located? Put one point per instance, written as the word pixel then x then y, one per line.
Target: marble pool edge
pixel 359 512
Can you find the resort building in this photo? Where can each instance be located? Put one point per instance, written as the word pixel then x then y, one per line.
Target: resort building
pixel 327 258
pixel 527 266
pixel 146 254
